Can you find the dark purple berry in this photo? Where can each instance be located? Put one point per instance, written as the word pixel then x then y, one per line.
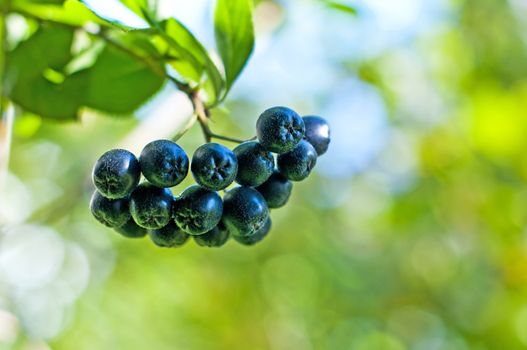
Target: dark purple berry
pixel 168 236
pixel 255 164
pixel 276 190
pixel 164 163
pixel 257 237
pixel 109 212
pixel 151 206
pixel 244 211
pixel 116 173
pixel 279 129
pixel 131 230
pixel 317 133
pixel 197 210
pixel 297 164
pixel 214 166
pixel 216 237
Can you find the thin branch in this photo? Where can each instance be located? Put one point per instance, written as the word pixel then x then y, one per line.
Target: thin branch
pixel 227 138
pixel 201 115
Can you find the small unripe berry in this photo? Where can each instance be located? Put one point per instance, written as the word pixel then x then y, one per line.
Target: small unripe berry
pixel 131 230
pixel 214 166
pixel 216 237
pixel 110 212
pixel 317 133
pixel 116 173
pixel 257 237
pixel 279 129
pixel 164 163
pixel 168 236
pixel 276 190
pixel 198 210
pixel 244 211
pixel 151 206
pixel 297 164
pixel 255 164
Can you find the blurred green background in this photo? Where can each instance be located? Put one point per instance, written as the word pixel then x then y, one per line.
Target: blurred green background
pixel 410 234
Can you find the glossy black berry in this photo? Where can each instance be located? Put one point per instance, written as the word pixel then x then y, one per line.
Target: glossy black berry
pixel 151 206
pixel 257 237
pixel 317 133
pixel 276 190
pixel 216 237
pixel 131 230
pixel 198 210
pixel 214 166
pixel 297 164
pixel 110 212
pixel 116 173
pixel 244 211
pixel 255 163
pixel 168 236
pixel 164 163
pixel 279 129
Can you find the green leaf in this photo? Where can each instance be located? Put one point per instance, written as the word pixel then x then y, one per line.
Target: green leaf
pixel 118 83
pixel 56 2
pixel 233 27
pixel 189 57
pixel 26 66
pixel 341 7
pixel 137 6
pixel 70 12
pixel 104 19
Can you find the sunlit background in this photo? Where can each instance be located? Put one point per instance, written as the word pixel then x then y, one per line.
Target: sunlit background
pixel 410 234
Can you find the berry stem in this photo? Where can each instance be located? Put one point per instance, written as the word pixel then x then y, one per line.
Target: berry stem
pixel 203 116
pixel 226 138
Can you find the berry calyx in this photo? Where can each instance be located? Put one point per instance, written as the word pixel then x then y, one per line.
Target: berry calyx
pixel 197 210
pixel 255 163
pixel 276 190
pixel 216 237
pixel 151 206
pixel 244 211
pixel 168 236
pixel 214 166
pixel 297 164
pixel 257 237
pixel 279 129
pixel 109 212
pixel 164 163
pixel 116 173
pixel 131 230
pixel 317 133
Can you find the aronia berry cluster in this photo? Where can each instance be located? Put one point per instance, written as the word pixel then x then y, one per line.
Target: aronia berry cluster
pixel 136 209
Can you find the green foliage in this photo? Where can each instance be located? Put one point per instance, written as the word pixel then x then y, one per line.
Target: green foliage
pixel 233 28
pixel 118 83
pixel 137 6
pixel 423 248
pixel 131 67
pixel 70 12
pixel 187 55
pixel 341 7
pixel 25 71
